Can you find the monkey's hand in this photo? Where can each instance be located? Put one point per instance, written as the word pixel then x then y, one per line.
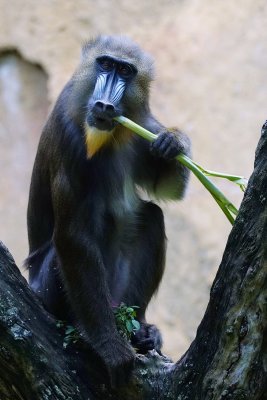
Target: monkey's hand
pixel 168 145
pixel 148 337
pixel 118 358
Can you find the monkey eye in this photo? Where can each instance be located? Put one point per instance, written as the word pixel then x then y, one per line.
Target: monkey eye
pixel 106 64
pixel 126 70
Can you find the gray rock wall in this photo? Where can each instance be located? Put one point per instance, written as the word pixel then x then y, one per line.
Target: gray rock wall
pixel 211 61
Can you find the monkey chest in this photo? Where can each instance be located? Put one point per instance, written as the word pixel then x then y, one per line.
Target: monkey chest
pixel 119 214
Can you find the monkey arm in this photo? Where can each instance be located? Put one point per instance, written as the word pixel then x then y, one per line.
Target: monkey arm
pixel 84 277
pixel 83 271
pixel 157 170
pixel 39 212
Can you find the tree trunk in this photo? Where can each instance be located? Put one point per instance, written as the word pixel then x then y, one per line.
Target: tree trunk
pixel 227 359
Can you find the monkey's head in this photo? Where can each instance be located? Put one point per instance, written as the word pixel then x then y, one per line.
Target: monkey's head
pixel 112 79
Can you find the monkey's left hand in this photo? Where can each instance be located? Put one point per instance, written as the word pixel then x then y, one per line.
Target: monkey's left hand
pixel 167 145
pixel 148 337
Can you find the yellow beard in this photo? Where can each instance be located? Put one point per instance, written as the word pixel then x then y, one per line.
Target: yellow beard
pixel 95 139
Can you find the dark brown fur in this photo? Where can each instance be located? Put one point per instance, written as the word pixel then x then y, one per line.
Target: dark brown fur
pixel 93 242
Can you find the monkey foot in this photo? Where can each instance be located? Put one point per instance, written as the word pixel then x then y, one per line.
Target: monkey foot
pixel 148 337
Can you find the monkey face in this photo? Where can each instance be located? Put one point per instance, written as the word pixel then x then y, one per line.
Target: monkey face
pixel 112 79
pixel 113 76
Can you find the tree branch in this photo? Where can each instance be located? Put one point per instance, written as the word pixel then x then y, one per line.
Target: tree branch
pixel 227 359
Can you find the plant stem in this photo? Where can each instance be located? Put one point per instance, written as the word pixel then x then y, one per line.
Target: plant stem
pixel 227 207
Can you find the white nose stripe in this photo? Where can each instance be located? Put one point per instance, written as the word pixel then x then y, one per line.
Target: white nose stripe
pixel 108 88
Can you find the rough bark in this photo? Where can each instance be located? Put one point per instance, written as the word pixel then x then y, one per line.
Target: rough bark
pixel 227 359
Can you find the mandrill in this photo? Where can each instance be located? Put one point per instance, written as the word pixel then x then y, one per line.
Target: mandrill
pixel 93 242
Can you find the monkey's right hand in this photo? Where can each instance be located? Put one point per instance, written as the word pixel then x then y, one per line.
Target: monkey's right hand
pixel 118 358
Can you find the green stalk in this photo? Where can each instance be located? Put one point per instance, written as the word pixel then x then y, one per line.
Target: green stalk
pixel 227 207
pixel 239 180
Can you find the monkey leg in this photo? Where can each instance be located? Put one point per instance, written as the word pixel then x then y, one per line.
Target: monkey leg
pixel 45 281
pixel 146 270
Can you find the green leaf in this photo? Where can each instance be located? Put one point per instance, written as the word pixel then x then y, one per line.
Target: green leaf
pixel 135 324
pixel 129 326
pixel 59 324
pixel 69 330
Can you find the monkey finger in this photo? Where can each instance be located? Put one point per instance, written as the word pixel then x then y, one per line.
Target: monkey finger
pixel 170 152
pixel 160 144
pixel 161 137
pixel 166 144
pixel 173 149
pixel 164 141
